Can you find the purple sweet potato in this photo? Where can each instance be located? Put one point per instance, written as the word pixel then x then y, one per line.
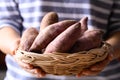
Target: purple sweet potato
pixel 27 38
pixel 49 33
pixel 83 22
pixel 48 19
pixel 90 39
pixel 64 41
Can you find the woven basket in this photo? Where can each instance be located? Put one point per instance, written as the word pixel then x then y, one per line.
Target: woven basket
pixel 64 63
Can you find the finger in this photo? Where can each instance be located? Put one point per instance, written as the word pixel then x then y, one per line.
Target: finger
pixel 48 19
pixel 48 34
pixel 90 73
pixel 36 72
pixel 27 38
pixel 40 72
pixel 101 65
pixel 65 40
pixel 83 22
pixel 22 64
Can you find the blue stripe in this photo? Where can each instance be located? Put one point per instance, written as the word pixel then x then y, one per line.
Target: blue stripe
pixel 97 25
pixel 101 3
pixel 60 1
pixel 71 1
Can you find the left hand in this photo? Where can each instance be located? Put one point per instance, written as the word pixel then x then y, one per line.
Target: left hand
pixel 96 68
pixel 91 39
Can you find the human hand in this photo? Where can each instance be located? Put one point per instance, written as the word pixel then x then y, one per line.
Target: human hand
pixel 26 41
pixel 96 68
pixel 90 39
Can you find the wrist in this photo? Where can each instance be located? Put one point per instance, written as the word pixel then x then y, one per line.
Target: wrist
pixel 8 37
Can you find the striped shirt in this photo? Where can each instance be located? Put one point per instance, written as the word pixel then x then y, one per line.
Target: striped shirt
pixel 22 14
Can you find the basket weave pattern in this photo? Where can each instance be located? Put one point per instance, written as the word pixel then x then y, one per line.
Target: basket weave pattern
pixel 65 63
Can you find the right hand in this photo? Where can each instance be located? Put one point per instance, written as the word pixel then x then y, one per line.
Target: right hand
pixel 35 71
pixel 30 37
pixel 26 41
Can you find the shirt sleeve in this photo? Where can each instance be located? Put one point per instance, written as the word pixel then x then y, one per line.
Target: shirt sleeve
pixel 114 23
pixel 9 15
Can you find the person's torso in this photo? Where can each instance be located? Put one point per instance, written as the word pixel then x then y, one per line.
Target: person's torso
pixel 98 12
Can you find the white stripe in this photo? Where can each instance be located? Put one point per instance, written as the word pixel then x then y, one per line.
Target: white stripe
pixel 35 24
pixel 117 2
pixel 4 4
pixel 67 5
pixel 55 4
pixel 66 15
pixel 33 14
pixel 9 13
pixel 117 11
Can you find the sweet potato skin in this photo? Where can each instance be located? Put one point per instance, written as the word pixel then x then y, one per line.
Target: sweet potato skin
pixel 64 41
pixel 90 39
pixel 48 19
pixel 27 38
pixel 49 33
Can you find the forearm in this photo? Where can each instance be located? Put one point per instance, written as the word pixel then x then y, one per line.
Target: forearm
pixel 114 40
pixel 7 38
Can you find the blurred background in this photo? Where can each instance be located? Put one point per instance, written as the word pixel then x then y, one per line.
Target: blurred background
pixel 2 66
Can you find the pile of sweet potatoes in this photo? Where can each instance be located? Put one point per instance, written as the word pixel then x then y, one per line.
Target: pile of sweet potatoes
pixel 60 36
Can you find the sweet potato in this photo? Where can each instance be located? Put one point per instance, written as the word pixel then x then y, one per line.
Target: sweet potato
pixel 49 33
pixel 27 38
pixel 48 19
pixel 64 41
pixel 83 22
pixel 90 39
